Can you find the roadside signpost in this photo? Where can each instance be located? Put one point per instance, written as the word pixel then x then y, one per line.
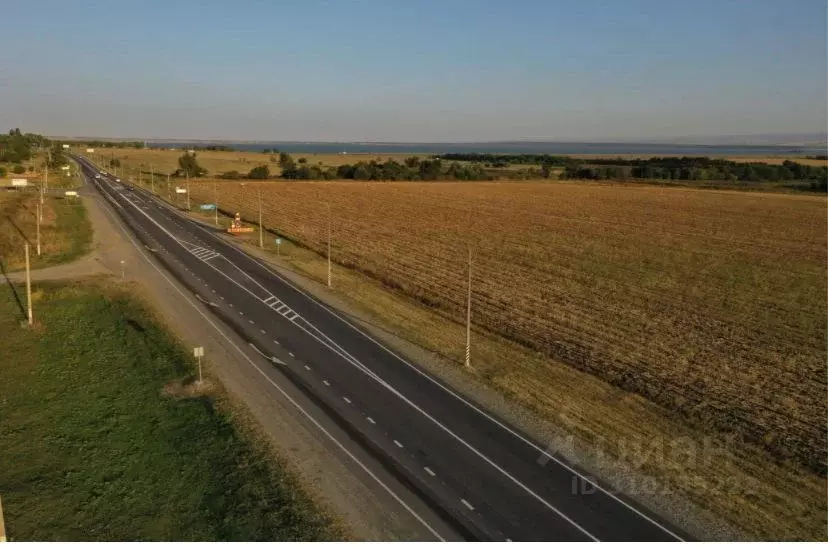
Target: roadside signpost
pixel 208 206
pixel 278 245
pixel 198 352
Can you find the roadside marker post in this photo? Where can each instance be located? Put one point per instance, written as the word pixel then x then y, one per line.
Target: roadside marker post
pixel 278 245
pixel 2 524
pixel 198 352
pixel 123 270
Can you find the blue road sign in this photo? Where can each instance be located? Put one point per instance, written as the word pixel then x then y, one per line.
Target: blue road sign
pixel 208 206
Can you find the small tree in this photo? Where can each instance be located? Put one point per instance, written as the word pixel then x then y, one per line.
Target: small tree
pixel 302 160
pixel 2 172
pixel 18 169
pixel 188 166
pixel 261 172
pixel 286 161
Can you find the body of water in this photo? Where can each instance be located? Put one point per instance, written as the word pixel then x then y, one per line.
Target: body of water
pixel 552 148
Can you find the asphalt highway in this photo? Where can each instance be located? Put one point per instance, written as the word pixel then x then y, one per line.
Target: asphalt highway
pixel 491 481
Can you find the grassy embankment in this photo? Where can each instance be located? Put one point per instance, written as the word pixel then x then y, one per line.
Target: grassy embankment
pixel 65 232
pixel 103 435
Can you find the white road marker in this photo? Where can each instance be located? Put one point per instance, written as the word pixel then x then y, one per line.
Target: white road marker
pixel 467 504
pixel 371 420
pixel 398 443
pixel 348 401
pixel 326 383
pixel 428 470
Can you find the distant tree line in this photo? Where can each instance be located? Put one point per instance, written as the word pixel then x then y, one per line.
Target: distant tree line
pixel 213 147
pixel 497 160
pixel 694 168
pixel 16 147
pixel 109 144
pixel 662 168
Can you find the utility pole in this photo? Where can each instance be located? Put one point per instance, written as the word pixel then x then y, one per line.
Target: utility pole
pixel 29 285
pixel 261 234
pixel 39 215
pixel 41 192
pixel 45 184
pixel 468 314
pixel 48 160
pixel 188 190
pixel 329 245
pixel 215 201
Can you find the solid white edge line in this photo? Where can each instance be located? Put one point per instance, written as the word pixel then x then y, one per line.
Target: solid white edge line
pixel 293 402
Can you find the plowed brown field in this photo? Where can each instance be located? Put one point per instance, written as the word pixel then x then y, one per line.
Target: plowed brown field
pixel 710 303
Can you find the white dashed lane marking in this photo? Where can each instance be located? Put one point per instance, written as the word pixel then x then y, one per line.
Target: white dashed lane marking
pixel 371 420
pixel 346 399
pixel 398 443
pixel 428 470
pixel 469 506
pixel 326 383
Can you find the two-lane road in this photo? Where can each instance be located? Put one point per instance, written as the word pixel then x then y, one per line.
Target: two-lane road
pixel 481 473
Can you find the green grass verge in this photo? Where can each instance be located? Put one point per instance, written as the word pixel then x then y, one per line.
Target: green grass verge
pixel 91 448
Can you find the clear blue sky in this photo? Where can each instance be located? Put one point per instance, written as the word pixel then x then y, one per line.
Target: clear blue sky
pixel 419 70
